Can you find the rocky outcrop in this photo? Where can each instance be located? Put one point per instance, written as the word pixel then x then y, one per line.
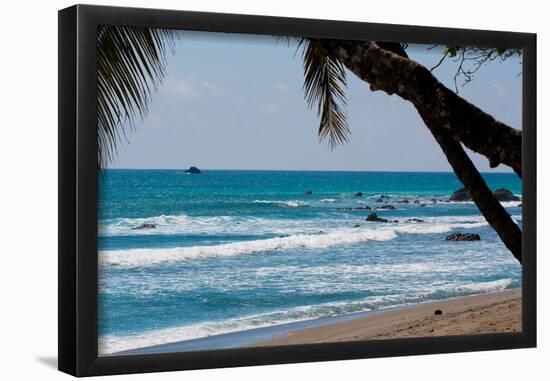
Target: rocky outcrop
pixel 193 171
pixel 505 195
pixel 460 196
pixel 414 220
pixel 373 217
pixel 463 237
pixel 387 207
pixel 145 226
pixel 356 208
pixel 403 201
pixel 359 194
pixel 501 194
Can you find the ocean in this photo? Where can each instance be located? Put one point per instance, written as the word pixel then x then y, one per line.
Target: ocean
pixel 233 250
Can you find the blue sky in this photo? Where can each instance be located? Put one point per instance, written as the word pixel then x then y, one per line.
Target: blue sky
pixel 236 102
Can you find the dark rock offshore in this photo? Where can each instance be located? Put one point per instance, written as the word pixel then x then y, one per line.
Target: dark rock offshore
pixel 463 237
pixel 145 226
pixel 414 220
pixel 373 217
pixel 505 195
pixel 193 171
pixel 501 194
pixel 460 195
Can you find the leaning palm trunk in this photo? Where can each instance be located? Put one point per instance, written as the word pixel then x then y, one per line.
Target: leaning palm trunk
pixel 449 118
pixel 492 210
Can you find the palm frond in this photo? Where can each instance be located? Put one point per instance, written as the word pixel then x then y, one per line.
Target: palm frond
pixel 131 64
pixel 324 85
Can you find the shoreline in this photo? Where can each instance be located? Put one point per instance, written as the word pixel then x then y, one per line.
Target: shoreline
pixel 467 315
pixel 492 312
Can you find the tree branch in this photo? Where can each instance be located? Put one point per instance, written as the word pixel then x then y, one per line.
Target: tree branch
pixel 394 74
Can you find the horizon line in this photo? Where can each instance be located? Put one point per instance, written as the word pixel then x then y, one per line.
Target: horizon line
pixel 299 170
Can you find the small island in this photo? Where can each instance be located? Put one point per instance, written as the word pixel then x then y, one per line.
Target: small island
pixel 193 171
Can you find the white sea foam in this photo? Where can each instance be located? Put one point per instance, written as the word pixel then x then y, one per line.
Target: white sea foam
pixel 301 237
pixel 111 344
pixel 114 343
pixel 216 225
pixel 496 285
pixel 145 257
pixel 287 203
pixel 510 204
pixel 328 200
pixel 506 204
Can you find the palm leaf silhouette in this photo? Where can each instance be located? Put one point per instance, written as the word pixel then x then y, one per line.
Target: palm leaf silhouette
pixel 131 64
pixel 324 88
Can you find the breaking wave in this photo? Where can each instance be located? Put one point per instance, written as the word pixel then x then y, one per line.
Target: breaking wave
pixel 287 203
pixel 145 257
pixel 318 240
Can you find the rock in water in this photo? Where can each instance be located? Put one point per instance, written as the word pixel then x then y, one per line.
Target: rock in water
pixel 461 195
pixel 373 217
pixel 505 195
pixel 501 194
pixel 145 226
pixel 193 171
pixel 389 207
pixel 463 237
pixel 414 220
pixel 308 192
pixel 359 194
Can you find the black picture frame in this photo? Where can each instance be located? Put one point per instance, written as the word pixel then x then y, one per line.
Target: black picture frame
pixel 78 190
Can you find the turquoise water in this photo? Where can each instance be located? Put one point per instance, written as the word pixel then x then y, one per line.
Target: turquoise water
pixel 235 250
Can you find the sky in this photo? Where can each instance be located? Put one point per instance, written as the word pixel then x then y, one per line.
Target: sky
pixel 236 102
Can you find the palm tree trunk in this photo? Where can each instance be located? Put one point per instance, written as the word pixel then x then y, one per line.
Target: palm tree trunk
pixel 449 118
pixel 492 210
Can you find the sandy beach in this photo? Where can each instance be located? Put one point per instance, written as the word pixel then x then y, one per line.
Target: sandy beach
pixel 486 313
pixel 482 313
